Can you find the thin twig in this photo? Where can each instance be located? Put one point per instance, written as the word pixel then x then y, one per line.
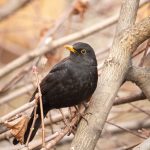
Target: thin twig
pixel 50 45
pixel 62 134
pixel 34 119
pixel 13 81
pixel 37 143
pixel 17 111
pixel 41 106
pixel 140 109
pixel 129 99
pixel 127 130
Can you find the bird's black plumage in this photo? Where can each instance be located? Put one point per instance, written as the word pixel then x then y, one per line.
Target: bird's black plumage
pixel 69 83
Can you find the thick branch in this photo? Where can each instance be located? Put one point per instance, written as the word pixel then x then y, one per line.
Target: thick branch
pixel 128 14
pixel 141 76
pixel 112 76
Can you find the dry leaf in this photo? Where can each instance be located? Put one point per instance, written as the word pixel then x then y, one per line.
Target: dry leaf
pixel 18 127
pixel 80 7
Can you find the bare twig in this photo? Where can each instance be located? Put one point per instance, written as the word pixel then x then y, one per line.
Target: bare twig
pixel 5 135
pixel 131 125
pixel 55 119
pixel 11 7
pixel 34 119
pixel 38 142
pixel 17 111
pixel 50 45
pixel 129 99
pixel 16 93
pixel 62 134
pixel 29 87
pixel 13 81
pixel 48 35
pixel 140 109
pixel 41 106
pixel 112 76
pixel 60 21
pixel 134 133
pixel 63 116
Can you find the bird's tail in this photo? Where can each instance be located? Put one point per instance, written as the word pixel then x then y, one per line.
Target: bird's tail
pixel 35 128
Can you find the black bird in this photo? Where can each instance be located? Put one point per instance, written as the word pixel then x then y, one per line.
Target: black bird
pixel 70 82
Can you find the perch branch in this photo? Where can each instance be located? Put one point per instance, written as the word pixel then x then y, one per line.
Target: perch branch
pixel 112 76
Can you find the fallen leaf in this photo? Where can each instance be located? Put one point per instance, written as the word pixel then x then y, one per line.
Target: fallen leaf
pixel 18 127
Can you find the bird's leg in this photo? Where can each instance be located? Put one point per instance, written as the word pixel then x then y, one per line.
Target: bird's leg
pixel 71 128
pixel 64 119
pixel 81 114
pixel 73 123
pixel 85 104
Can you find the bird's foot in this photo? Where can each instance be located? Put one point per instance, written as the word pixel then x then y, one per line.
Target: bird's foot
pixel 82 114
pixel 72 129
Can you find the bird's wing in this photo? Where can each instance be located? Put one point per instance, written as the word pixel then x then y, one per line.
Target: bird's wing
pixel 52 78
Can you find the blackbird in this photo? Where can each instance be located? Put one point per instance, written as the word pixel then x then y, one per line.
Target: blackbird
pixel 70 82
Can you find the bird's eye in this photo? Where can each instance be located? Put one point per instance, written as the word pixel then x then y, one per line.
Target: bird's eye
pixel 83 51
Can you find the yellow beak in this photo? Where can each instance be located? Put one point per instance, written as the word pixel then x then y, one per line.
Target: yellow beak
pixel 70 48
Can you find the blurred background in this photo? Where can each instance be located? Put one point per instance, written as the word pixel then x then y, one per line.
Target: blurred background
pixel 27 25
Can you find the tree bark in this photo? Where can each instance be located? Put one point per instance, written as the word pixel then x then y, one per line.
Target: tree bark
pixel 112 76
pixel 140 76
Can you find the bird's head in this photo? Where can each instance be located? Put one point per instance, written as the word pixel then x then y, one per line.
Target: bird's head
pixel 82 52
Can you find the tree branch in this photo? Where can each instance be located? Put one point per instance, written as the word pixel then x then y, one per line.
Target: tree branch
pixel 50 45
pixel 17 111
pixel 112 76
pixel 129 99
pixel 11 7
pixel 140 76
